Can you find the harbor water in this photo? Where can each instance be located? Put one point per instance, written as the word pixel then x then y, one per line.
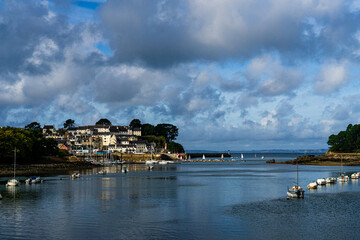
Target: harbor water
pixel 202 200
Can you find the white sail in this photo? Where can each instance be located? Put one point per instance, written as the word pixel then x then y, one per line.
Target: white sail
pixel 222 156
pixel 242 156
pixel 203 157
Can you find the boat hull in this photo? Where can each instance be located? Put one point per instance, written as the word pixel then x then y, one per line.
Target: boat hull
pixel 295 192
pixel 12 183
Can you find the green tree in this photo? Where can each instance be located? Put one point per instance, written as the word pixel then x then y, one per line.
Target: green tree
pixel 346 141
pixel 169 131
pixel 34 126
pixel 31 145
pixel 147 129
pixel 103 121
pixel 69 124
pixel 135 123
pixel 175 147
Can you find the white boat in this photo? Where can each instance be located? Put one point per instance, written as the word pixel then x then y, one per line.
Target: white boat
pixel 354 176
pixel 262 157
pixel 32 179
pixel 101 172
pixel 342 178
pixel 163 162
pixel 242 156
pixel 203 157
pixel 13 182
pixel 312 185
pixel 150 162
pixel 222 156
pixel 330 180
pixel 321 181
pixel 75 175
pixel 296 191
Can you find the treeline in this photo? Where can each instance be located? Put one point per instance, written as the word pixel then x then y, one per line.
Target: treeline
pixel 346 141
pixel 160 134
pixel 30 144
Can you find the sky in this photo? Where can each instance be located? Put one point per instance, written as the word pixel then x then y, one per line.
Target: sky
pixel 230 74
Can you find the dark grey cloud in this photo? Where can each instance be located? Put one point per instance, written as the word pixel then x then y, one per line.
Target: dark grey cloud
pixel 163 33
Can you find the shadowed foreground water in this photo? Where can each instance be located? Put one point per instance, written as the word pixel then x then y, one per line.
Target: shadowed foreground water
pixel 230 200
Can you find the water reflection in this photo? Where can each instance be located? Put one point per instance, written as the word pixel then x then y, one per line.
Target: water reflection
pixel 187 201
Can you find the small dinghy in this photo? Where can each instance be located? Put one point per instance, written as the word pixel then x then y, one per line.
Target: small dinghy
pixel 312 185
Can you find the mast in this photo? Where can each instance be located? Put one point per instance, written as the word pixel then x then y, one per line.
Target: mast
pixel 297 174
pixel 14 162
pixel 341 173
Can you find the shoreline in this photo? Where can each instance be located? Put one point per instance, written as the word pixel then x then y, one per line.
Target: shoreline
pixel 327 159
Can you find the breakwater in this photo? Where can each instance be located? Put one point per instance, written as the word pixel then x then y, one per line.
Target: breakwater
pixel 214 155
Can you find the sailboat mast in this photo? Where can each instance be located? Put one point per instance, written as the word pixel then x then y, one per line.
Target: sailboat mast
pixel 297 174
pixel 14 162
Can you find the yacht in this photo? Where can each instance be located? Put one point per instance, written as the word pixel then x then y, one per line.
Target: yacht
pixel 296 191
pixel 13 182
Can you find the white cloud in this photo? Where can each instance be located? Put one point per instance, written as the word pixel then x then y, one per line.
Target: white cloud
pixel 332 77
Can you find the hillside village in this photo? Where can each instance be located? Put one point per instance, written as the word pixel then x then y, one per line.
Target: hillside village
pixel 99 138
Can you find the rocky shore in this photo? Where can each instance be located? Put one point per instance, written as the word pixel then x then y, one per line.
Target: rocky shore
pixel 327 159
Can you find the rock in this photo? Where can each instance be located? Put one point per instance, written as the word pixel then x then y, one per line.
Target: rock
pixel 271 161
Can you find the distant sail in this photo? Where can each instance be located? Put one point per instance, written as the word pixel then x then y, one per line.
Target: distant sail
pixel 203 157
pixel 242 156
pixel 222 156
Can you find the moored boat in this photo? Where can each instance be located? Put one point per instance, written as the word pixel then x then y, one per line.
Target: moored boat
pixel 330 180
pixel 75 175
pixel 343 178
pixel 321 181
pixel 296 191
pixel 312 185
pixel 13 182
pixel 354 176
pixel 32 179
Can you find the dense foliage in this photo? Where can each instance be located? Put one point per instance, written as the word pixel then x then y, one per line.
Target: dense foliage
pixel 103 121
pixel 175 147
pixel 152 133
pixel 346 141
pixel 135 123
pixel 30 145
pixel 69 123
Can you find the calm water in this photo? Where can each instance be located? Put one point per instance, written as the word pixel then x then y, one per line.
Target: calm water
pixel 231 200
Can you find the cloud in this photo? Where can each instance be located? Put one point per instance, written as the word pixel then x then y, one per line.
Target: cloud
pixel 268 77
pixel 164 33
pixel 331 77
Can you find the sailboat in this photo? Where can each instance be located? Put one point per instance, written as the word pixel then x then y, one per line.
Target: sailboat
pixel 13 182
pixel 242 156
pixel 342 178
pixel 203 157
pixel 222 156
pixel 296 191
